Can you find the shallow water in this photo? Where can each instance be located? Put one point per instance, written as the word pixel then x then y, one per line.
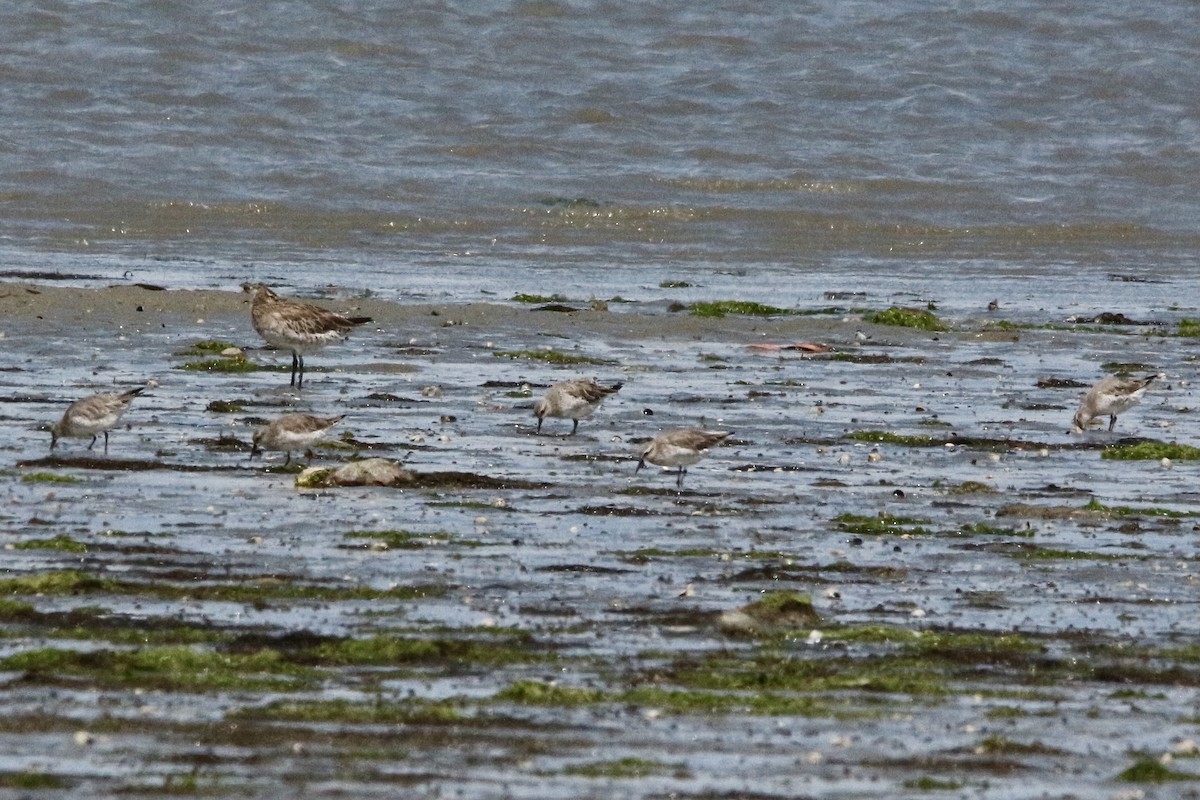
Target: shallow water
pixel 455 151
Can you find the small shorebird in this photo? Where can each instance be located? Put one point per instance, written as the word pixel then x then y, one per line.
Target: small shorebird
pixel 679 448
pixel 574 400
pixel 299 327
pixel 292 432
pixel 1111 396
pixel 92 416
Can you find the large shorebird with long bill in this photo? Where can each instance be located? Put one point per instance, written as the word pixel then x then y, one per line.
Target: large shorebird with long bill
pixel 299 327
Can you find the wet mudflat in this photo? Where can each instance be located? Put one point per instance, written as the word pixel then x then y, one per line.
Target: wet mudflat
pixel 900 577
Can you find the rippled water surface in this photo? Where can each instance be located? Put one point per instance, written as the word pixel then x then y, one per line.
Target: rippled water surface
pixel 450 149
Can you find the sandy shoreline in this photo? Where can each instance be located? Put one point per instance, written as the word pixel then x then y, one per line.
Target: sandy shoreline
pixel 123 307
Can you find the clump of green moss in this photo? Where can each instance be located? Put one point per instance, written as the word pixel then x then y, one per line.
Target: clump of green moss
pixel 783 608
pixel 75 582
pixel 882 524
pixel 413 711
pixel 386 650
pixel 60 542
pixel 28 781
pixel 719 308
pixel 928 784
pixel 1151 450
pixel 1148 770
pixel 50 477
pixel 168 668
pixel 983 529
pixel 1124 368
pixel 1032 553
pixel 975 648
pixel 1134 511
pixel 225 407
pixel 549 356
pixel 399 540
pixel 771 672
pixel 1189 327
pixel 885 437
pixel 906 318
pixel 622 768
pixel 971 487
pixel 222 365
pixel 540 693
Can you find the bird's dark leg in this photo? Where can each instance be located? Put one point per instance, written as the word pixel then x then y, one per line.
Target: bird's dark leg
pixel 539 427
pixel 679 480
pixel 93 444
pixel 641 463
pixel 574 427
pixel 300 382
pixel 1112 420
pixel 288 460
pixel 105 443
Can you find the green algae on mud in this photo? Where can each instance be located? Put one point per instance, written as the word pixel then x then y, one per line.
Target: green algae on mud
pixel 399 539
pixel 629 767
pixel 232 365
pixel 1151 450
pixel 247 590
pixel 671 700
pixel 385 650
pixel 542 693
pixel 920 319
pixel 1150 770
pixel 411 711
pixel 1138 511
pixel 781 608
pixel 551 356
pixel 180 669
pixel 32 781
pixel 49 477
pixel 719 308
pixel 928 783
pixel 882 524
pixel 971 487
pixel 61 542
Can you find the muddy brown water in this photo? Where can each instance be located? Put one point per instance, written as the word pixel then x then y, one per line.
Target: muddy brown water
pixel 202 626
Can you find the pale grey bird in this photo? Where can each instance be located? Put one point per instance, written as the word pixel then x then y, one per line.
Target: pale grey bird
pixel 292 432
pixel 574 400
pixel 1111 396
pixel 679 448
pixel 92 416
